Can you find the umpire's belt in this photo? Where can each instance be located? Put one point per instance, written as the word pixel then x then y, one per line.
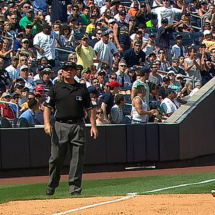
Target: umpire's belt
pixel 69 121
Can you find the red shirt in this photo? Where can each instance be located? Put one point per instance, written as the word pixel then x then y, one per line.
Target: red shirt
pixel 7 111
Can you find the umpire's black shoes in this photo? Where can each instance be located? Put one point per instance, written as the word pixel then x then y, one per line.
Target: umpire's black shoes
pixel 76 193
pixel 50 192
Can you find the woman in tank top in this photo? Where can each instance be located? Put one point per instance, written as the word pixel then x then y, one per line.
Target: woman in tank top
pixel 139 107
pixel 193 66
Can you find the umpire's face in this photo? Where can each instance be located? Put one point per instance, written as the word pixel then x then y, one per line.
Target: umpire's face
pixel 69 73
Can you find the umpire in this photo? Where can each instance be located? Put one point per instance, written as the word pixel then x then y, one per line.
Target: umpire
pixel 69 99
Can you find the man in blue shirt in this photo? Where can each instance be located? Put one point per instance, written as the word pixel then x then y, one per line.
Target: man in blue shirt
pixel 29 114
pixel 135 56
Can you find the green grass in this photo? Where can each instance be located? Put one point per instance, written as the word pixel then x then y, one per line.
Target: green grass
pixel 111 187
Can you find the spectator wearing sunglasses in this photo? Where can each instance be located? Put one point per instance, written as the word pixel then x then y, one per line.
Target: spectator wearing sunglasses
pixel 29 96
pixel 122 77
pixel 100 117
pixel 135 56
pixel 106 50
pixel 28 34
pixel 85 53
pixel 25 48
pixel 15 99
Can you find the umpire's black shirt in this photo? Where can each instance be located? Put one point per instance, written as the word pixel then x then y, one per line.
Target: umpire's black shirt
pixel 68 100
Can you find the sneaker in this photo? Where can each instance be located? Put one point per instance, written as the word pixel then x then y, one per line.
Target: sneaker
pixel 213 192
pixel 50 192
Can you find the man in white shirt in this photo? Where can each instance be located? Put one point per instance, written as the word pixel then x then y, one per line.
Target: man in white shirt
pixel 167 11
pixel 169 104
pixel 106 50
pixel 44 42
pixel 105 7
pixel 12 70
pixel 178 49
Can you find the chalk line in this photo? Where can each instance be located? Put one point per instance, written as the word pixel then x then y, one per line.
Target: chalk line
pixel 130 195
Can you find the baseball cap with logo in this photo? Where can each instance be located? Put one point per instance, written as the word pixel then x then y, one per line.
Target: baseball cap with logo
pixel 122 12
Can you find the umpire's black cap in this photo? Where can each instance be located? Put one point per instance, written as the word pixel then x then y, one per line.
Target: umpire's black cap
pixel 68 64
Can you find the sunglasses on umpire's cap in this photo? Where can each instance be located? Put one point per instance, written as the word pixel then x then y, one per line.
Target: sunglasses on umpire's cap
pixel 68 64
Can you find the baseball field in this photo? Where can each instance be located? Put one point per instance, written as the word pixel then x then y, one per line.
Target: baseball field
pixel 178 191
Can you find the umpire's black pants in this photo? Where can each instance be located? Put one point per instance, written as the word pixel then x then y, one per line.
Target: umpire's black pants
pixel 65 135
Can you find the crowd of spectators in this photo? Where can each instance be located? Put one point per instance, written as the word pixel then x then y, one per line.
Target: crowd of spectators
pixel 137 59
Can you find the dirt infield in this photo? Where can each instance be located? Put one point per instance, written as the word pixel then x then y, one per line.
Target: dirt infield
pixel 197 204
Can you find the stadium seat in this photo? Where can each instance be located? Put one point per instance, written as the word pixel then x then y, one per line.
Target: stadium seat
pixel 5 123
pixel 23 123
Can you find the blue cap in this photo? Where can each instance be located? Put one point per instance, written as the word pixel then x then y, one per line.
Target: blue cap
pixel 93 90
pixel 144 70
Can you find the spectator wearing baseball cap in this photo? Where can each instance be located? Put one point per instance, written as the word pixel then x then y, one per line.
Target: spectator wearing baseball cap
pixel 85 53
pixel 175 85
pixel 29 19
pixel 15 97
pixel 178 49
pixel 5 109
pixel 25 48
pixel 45 80
pixel 45 40
pixel 13 69
pixel 106 50
pixel 142 79
pixel 135 56
pixel 134 9
pixel 86 76
pixel 163 35
pixel 169 104
pixel 106 101
pixel 29 82
pixel 164 87
pixel 122 38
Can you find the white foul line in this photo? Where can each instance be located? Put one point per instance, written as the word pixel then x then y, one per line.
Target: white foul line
pixel 180 185
pixel 130 195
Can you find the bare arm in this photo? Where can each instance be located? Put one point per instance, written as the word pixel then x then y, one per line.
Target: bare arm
pixel 46 115
pixel 115 32
pixel 103 107
pixel 78 49
pixel 137 103
pixel 92 116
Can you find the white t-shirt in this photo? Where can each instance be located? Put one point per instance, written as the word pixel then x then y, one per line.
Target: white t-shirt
pixel 13 72
pixel 105 52
pixel 47 43
pixel 168 106
pixel 163 12
pixel 127 17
